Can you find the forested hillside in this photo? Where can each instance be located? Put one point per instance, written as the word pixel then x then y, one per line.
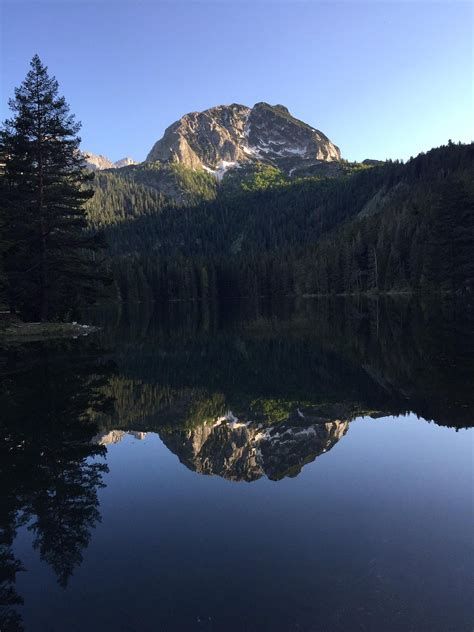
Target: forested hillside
pixel 383 228
pixel 131 192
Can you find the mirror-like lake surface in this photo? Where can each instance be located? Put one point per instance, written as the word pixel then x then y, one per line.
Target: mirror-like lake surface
pixel 300 467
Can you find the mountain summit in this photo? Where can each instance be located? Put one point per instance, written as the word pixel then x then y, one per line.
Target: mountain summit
pixel 97 162
pixel 228 136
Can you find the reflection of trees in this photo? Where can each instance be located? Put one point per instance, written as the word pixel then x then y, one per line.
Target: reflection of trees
pixel 10 620
pixel 49 396
pixel 418 350
pixel 65 505
pixel 381 355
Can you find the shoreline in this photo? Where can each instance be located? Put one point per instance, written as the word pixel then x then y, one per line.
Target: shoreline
pixel 32 332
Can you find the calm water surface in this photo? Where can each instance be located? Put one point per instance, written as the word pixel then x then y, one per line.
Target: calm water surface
pixel 299 467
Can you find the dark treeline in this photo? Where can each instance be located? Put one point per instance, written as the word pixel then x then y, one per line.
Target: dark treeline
pixel 394 227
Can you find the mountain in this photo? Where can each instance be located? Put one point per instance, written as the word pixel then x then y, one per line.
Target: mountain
pixel 235 146
pixel 394 227
pixel 124 162
pixel 97 162
pixel 229 136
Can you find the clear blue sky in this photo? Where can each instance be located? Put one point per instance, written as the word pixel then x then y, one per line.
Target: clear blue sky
pixel 382 80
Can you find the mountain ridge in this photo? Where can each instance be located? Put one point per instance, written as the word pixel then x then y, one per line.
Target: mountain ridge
pixel 98 162
pixel 226 137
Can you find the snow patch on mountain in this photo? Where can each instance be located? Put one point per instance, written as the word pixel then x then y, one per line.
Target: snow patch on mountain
pixel 221 169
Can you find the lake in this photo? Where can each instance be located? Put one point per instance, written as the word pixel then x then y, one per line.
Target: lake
pixel 294 466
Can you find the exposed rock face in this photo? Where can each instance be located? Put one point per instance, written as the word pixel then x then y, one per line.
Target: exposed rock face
pixel 227 136
pixel 96 162
pixel 116 436
pixel 247 451
pixel 109 438
pixel 124 162
pixel 204 138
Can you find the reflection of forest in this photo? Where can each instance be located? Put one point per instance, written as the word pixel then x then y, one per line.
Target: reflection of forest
pixel 292 380
pixel 294 376
pixel 178 369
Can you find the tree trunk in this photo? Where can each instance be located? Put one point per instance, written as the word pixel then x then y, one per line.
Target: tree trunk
pixel 11 301
pixel 43 298
pixel 43 275
pixel 376 271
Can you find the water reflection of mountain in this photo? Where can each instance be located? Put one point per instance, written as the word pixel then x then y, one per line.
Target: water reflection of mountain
pixel 241 449
pixel 247 451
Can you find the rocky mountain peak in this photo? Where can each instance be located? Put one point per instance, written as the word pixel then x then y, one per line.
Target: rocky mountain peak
pixel 124 162
pixel 97 162
pixel 228 136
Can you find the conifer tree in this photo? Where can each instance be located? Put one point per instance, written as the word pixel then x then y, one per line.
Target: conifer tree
pixel 47 249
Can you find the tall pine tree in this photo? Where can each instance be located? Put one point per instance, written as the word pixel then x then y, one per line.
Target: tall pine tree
pixel 48 253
